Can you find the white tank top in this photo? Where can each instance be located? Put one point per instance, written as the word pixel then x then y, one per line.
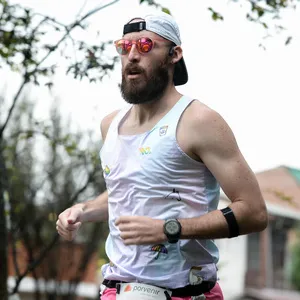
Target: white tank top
pixel 149 175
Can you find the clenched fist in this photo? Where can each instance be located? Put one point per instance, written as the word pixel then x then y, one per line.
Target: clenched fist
pixel 140 230
pixel 69 221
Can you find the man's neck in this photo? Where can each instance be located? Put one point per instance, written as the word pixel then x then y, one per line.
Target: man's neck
pixel 143 113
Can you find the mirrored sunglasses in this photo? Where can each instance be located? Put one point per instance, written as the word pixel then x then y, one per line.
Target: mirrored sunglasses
pixel 143 45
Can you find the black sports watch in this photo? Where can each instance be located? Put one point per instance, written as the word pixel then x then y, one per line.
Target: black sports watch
pixel 172 229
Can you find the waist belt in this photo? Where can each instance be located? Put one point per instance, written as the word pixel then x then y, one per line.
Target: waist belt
pixel 186 291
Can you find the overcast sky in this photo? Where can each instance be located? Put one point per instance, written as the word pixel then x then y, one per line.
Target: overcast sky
pixel 256 91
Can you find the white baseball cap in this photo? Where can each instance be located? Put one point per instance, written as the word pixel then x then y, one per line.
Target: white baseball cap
pixel 164 25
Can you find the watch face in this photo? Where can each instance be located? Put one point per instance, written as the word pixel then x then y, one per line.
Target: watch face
pixel 172 227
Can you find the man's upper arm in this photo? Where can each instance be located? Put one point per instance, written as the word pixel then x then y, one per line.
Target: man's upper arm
pixel 105 123
pixel 218 149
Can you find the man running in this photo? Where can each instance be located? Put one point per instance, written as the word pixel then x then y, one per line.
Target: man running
pixel 164 158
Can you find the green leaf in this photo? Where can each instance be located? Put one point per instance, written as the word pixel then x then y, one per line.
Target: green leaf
pixel 260 11
pixel 215 15
pixel 166 10
pixel 49 85
pixel 262 46
pixel 71 148
pixel 288 40
pixel 29 134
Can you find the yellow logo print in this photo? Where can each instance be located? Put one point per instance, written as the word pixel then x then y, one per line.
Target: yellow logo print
pixel 106 170
pixel 145 150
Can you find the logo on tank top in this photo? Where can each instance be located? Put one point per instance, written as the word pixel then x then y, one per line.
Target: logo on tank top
pixel 173 195
pixel 145 150
pixel 106 170
pixel 159 248
pixel 194 275
pixel 163 130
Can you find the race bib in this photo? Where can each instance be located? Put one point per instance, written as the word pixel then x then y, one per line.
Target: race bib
pixel 140 291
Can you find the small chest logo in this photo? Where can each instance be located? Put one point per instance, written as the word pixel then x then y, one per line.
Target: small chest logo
pixel 173 195
pixel 106 170
pixel 145 150
pixel 159 248
pixel 163 130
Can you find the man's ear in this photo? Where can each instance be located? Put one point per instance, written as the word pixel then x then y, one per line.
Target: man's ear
pixel 176 53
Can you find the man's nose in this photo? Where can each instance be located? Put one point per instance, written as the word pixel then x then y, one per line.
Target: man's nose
pixel 134 54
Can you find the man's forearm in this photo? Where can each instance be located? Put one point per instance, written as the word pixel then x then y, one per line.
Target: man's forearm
pixel 95 210
pixel 209 226
pixel 213 225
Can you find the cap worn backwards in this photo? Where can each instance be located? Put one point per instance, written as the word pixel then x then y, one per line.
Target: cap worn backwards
pixel 164 25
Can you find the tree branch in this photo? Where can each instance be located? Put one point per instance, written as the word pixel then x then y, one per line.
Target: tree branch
pixel 16 97
pixel 14 253
pixel 51 19
pixel 81 8
pixel 255 4
pixel 70 28
pixel 27 75
pixel 34 264
pixel 93 11
pixel 55 238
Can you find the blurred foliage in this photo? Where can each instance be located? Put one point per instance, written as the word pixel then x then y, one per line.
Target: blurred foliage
pixel 157 5
pixel 25 48
pixel 24 45
pixel 295 274
pixel 215 15
pixel 49 168
pixel 267 13
pixel 33 191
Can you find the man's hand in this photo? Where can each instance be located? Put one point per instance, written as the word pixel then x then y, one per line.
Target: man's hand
pixel 68 222
pixel 136 230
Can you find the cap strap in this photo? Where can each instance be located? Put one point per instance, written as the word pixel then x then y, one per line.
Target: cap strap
pixel 133 27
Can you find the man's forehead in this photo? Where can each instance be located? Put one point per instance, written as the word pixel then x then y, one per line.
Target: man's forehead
pixel 143 33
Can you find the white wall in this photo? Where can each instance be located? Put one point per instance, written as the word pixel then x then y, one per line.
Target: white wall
pixel 232 264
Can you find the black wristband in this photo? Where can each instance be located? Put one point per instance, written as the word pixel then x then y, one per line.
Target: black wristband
pixel 231 221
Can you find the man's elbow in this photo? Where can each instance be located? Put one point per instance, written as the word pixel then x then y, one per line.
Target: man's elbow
pixel 261 220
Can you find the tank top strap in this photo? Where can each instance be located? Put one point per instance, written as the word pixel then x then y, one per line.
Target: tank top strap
pixel 113 128
pixel 170 120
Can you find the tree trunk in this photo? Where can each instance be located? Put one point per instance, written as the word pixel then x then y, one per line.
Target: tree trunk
pixel 3 231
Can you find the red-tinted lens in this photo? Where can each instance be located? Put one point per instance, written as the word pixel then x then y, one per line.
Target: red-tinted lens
pixel 123 46
pixel 145 45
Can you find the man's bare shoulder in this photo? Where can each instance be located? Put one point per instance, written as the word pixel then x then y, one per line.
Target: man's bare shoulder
pixel 207 129
pixel 206 125
pixel 199 114
pixel 105 123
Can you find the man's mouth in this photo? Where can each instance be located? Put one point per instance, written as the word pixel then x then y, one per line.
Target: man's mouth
pixel 133 75
pixel 134 72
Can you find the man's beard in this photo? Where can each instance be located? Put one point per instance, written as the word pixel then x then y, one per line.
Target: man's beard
pixel 144 88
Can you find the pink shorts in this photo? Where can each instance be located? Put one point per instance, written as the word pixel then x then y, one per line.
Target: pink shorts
pixel 214 294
